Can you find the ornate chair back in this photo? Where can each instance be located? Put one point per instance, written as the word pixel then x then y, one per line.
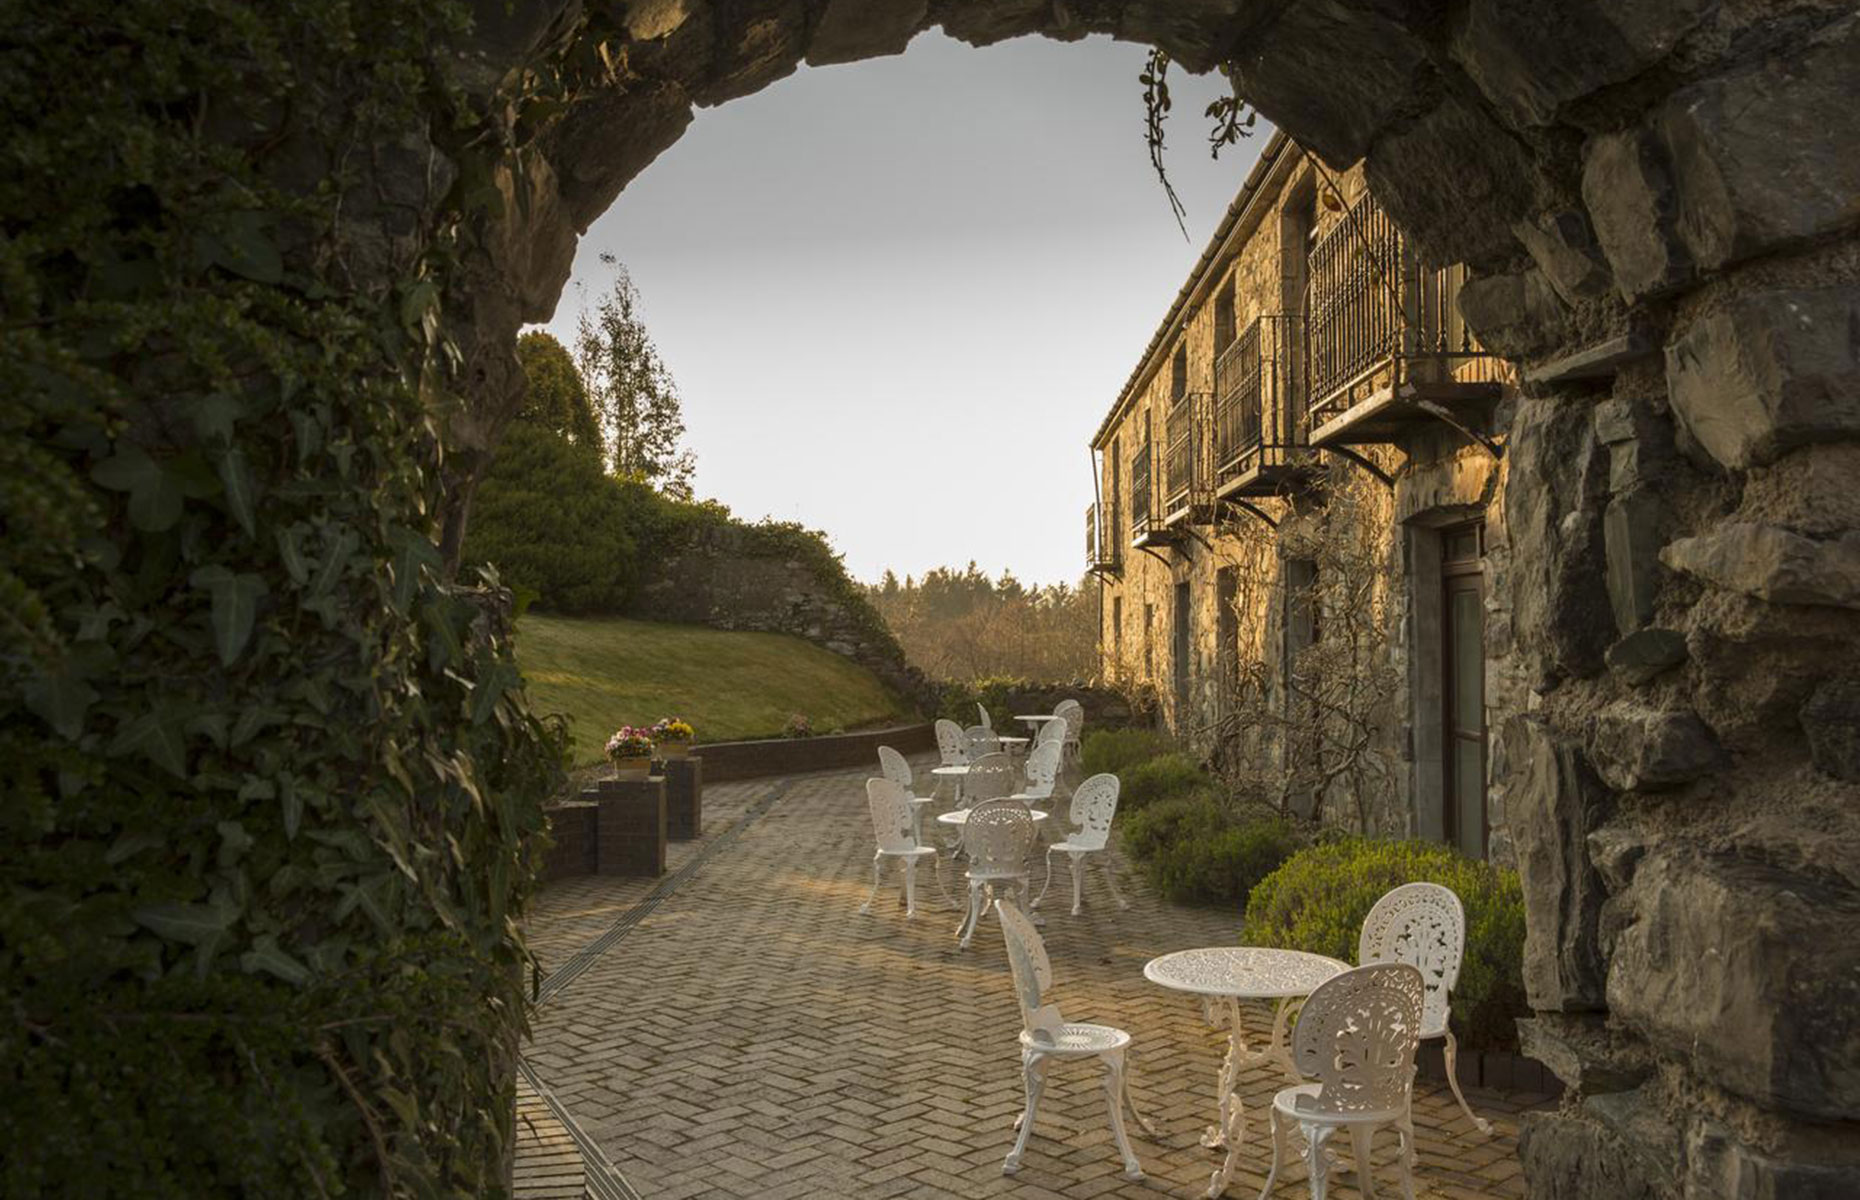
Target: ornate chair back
pixel 1093 806
pixel 997 837
pixel 1074 713
pixel 893 766
pixel 988 722
pixel 990 777
pixel 950 744
pixel 1052 731
pixel 1357 1036
pixel 981 740
pixel 1033 971
pixel 1423 925
pixel 1043 768
pixel 891 815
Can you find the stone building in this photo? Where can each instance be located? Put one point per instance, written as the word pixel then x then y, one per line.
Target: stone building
pixel 1299 534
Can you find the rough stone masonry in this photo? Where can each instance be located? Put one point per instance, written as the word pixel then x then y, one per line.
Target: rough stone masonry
pixel 1659 202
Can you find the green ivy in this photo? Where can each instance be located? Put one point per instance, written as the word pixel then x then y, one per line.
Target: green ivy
pixel 271 784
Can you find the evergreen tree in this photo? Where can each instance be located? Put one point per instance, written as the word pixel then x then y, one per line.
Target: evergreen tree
pixel 557 398
pixel 632 391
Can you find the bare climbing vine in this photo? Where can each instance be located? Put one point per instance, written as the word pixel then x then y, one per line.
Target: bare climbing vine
pixel 1232 116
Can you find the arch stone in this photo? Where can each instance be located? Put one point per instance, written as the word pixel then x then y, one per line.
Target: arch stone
pixel 1656 198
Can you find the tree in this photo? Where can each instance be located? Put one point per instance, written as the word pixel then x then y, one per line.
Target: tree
pixel 632 391
pixel 557 398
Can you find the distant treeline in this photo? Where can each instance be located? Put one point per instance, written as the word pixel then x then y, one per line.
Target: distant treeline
pixel 962 625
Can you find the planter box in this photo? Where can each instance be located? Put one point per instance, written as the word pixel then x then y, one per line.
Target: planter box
pixel 574 833
pixel 631 824
pixel 684 797
pixel 793 756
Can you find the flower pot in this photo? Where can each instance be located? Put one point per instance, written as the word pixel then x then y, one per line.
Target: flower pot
pixel 673 750
pixel 636 767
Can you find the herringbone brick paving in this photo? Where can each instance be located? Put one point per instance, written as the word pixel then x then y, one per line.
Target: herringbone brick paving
pixel 755 1036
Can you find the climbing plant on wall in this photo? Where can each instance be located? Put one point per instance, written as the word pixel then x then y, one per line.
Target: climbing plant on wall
pixel 269 776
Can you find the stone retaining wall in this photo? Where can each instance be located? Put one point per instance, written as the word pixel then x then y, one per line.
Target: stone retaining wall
pixel 794 756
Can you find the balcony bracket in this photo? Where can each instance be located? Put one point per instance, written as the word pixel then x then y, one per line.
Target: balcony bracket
pixel 1388 480
pixel 1444 414
pixel 1256 511
pixel 1158 557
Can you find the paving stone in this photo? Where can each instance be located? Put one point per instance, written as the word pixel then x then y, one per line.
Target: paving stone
pixel 755 1036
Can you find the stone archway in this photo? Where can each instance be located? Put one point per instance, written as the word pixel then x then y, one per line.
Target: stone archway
pixel 1657 202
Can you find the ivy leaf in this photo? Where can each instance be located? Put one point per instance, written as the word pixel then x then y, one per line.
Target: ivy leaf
pixel 245 248
pixel 490 690
pixel 293 803
pixel 61 700
pixel 158 736
pixel 411 551
pixel 241 493
pixel 192 924
pixel 235 607
pixel 267 957
pixel 131 844
pixel 154 494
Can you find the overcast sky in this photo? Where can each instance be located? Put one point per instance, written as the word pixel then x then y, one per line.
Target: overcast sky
pixel 898 296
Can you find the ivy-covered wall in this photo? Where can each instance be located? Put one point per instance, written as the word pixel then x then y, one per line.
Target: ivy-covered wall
pixel 269 778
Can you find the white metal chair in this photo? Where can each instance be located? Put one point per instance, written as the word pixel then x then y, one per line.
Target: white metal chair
pixel 997 838
pixel 951 746
pixel 1046 1034
pixel 891 822
pixel 991 777
pixel 981 740
pixel 988 722
pixel 1074 714
pixel 1424 925
pixel 1356 1037
pixel 1042 771
pixel 894 767
pixel 1093 806
pixel 1052 731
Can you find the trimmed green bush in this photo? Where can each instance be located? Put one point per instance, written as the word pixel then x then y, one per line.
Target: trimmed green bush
pixel 1318 899
pixel 1193 848
pixel 1117 750
pixel 1165 778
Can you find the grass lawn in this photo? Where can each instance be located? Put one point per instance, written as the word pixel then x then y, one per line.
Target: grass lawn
pixel 604 672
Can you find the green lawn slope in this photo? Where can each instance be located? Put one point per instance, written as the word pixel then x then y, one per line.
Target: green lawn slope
pixel 603 672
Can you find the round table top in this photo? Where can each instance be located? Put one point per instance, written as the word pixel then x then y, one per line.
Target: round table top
pixel 961 816
pixel 1008 739
pixel 1243 972
pixel 959 770
pixel 1037 718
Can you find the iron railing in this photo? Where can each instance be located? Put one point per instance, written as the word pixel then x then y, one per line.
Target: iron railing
pixel 1188 477
pixel 1141 490
pixel 1102 551
pixel 1377 318
pixel 1258 396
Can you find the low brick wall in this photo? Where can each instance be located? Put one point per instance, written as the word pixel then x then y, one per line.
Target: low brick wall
pixel 1499 1070
pixel 574 828
pixel 793 756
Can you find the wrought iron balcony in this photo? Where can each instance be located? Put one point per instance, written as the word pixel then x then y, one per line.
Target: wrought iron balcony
pixel 1385 343
pixel 1103 554
pixel 1188 472
pixel 1142 491
pixel 1259 417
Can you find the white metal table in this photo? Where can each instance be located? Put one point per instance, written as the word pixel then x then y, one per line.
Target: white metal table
pixel 957 773
pixel 961 816
pixel 1035 720
pixel 1233 974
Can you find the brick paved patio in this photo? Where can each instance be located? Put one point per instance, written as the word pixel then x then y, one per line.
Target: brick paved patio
pixel 753 1035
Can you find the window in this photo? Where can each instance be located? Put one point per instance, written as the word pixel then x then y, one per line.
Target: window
pixel 1462 688
pixel 1301 610
pixel 1183 642
pixel 1178 373
pixel 1224 328
pixel 1227 625
pixel 1149 643
pixel 1116 525
pixel 1117 636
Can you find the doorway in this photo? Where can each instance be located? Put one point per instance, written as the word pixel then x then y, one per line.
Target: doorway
pixel 1462 687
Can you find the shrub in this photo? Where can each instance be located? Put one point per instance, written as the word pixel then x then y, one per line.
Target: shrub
pixel 1169 777
pixel 1318 899
pixel 1117 750
pixel 1194 848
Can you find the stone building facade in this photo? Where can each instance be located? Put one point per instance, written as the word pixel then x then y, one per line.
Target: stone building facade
pixel 1299 535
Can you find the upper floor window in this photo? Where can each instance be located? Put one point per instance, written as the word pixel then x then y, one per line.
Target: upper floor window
pixel 1224 328
pixel 1178 373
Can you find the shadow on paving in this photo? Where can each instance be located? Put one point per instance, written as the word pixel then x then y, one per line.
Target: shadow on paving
pixel 755 1036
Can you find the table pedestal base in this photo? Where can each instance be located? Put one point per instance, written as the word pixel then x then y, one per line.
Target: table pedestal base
pixel 1229 1132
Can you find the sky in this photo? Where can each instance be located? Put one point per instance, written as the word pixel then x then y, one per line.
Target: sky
pixel 898 296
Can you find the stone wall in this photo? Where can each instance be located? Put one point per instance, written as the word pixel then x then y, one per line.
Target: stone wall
pixel 727 578
pixel 1657 199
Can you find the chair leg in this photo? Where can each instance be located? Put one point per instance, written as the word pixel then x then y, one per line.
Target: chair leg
pixel 967 928
pixel 1078 881
pixel 1362 1138
pixel 1453 1081
pixel 1110 876
pixel 878 867
pixel 1114 1100
pixel 910 887
pixel 1049 879
pixel 1405 1160
pixel 1033 1077
pixel 1317 1158
pixel 1281 1137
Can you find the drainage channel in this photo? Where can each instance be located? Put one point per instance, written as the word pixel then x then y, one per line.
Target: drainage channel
pixel 604 1180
